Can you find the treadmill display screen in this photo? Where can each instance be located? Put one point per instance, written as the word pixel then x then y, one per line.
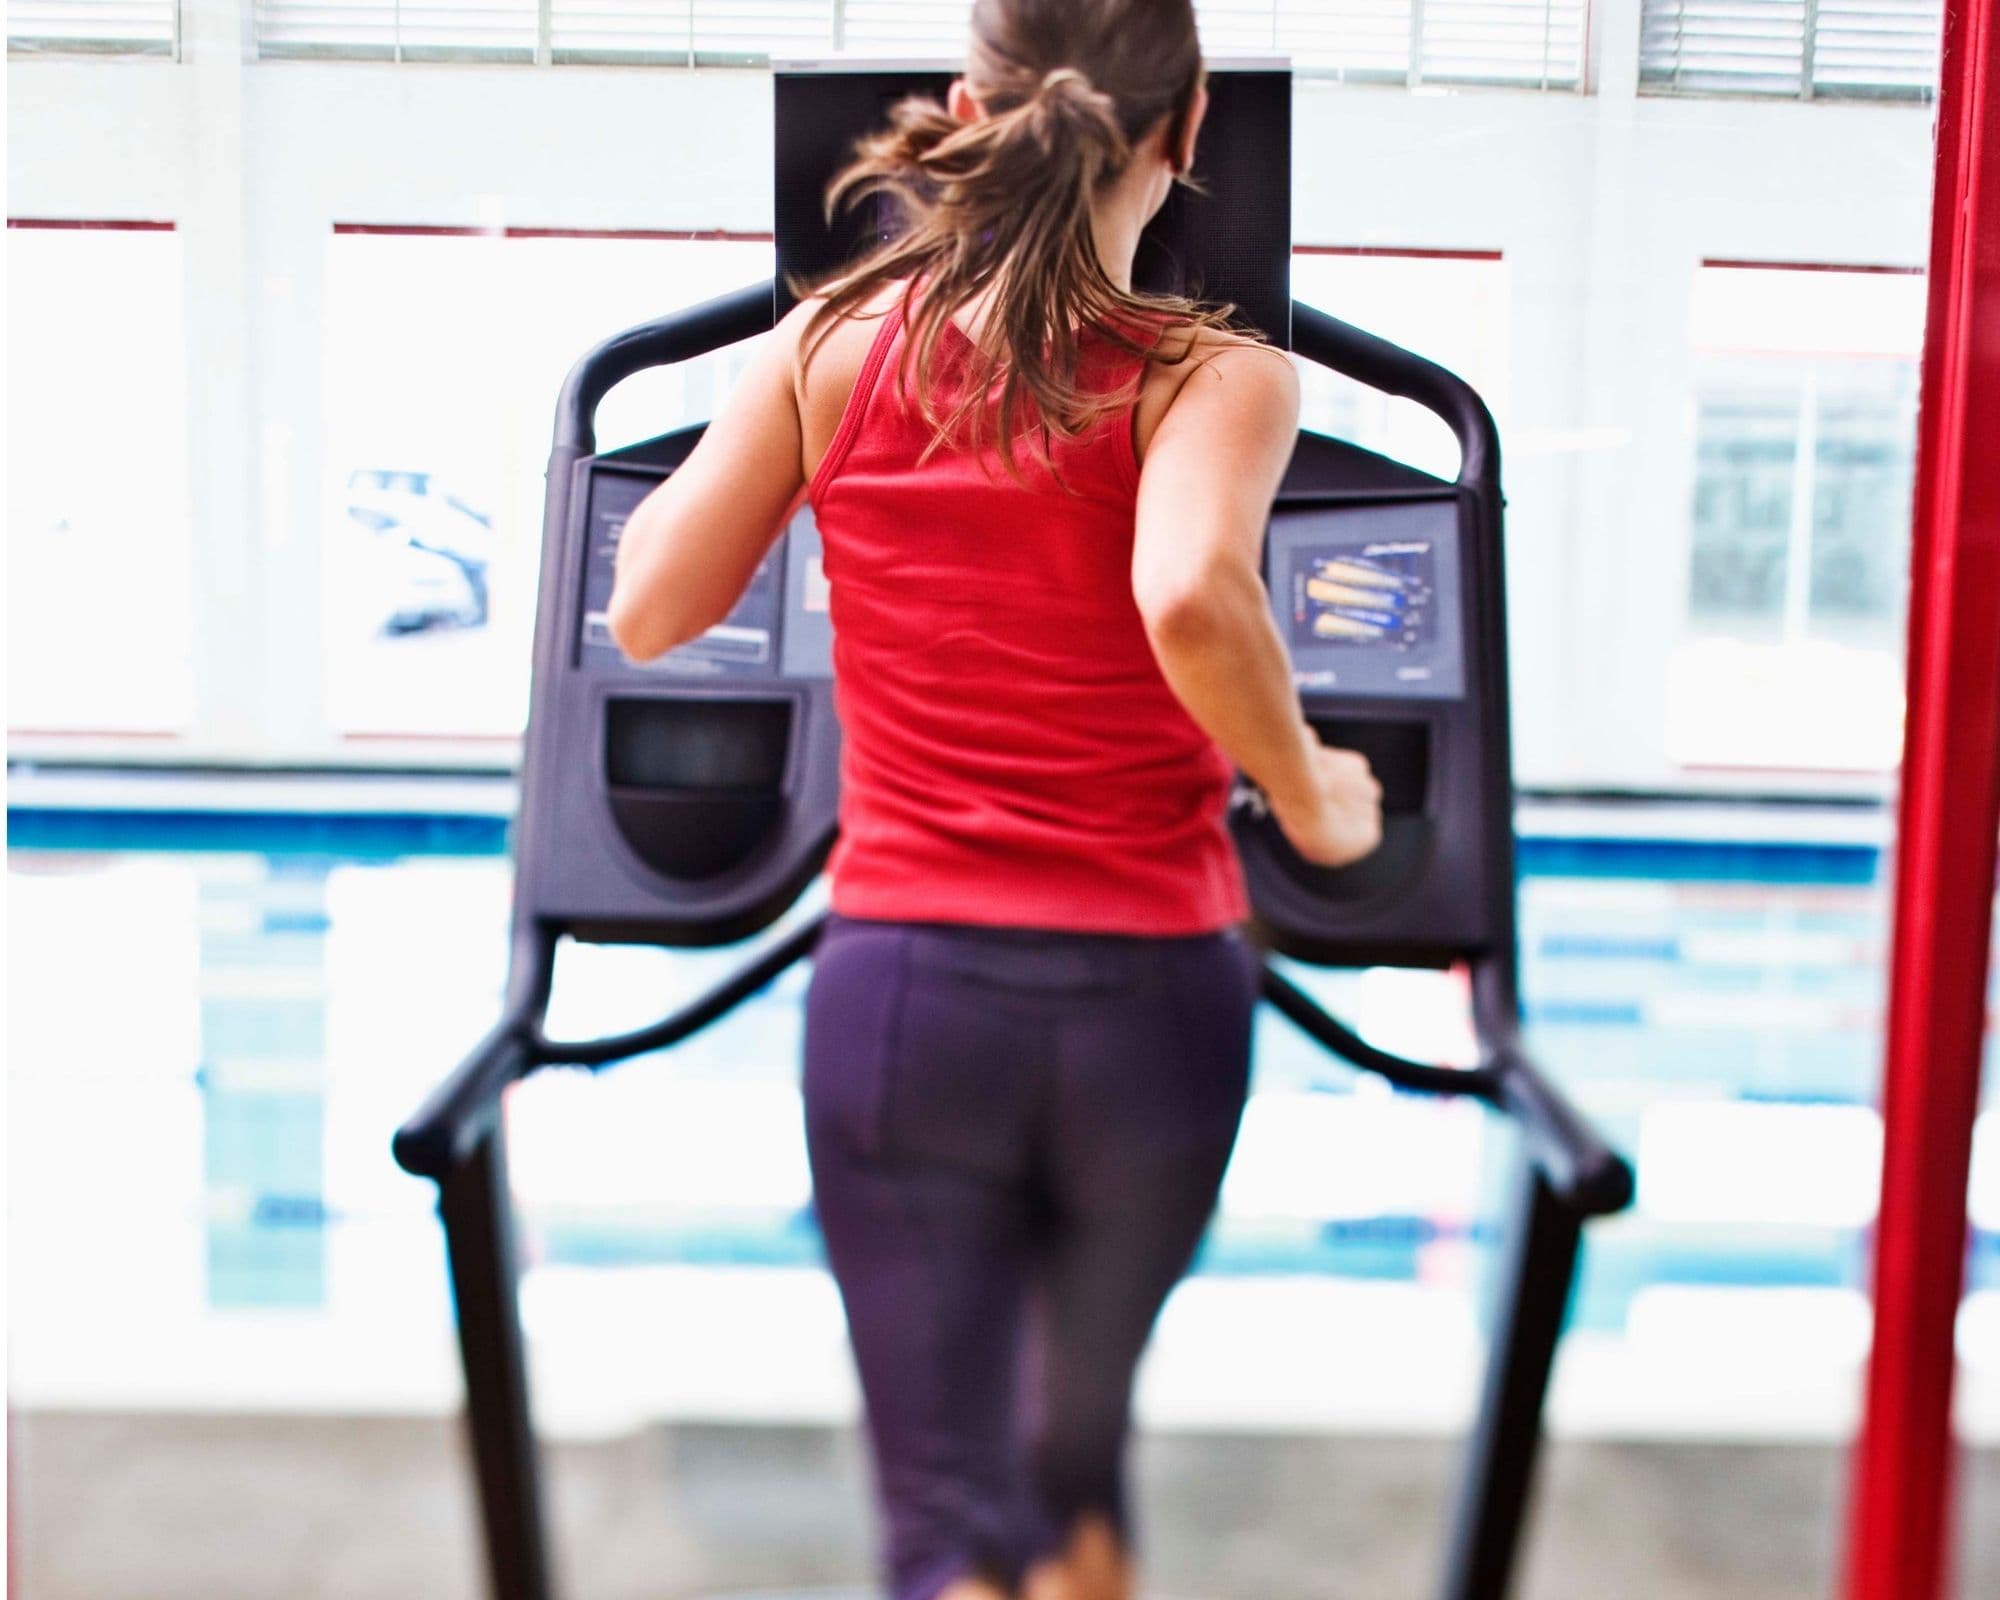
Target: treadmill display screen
pixel 1369 599
pixel 778 628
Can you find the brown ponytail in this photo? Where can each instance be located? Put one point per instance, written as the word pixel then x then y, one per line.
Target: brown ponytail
pixel 1002 205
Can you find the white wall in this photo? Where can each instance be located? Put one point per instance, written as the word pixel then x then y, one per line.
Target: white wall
pixel 1603 205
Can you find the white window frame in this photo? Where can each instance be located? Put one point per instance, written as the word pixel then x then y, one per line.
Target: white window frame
pixel 547 52
pixel 50 44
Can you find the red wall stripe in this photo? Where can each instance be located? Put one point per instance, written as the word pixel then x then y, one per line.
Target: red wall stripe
pixel 1814 266
pixel 108 224
pixel 442 230
pixel 94 733
pixel 1401 252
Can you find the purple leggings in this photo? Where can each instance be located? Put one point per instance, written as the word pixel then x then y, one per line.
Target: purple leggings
pixel 1016 1138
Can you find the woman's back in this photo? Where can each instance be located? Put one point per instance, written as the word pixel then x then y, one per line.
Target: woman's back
pixel 1013 754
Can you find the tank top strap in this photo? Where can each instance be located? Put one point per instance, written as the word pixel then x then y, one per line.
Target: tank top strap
pixel 866 381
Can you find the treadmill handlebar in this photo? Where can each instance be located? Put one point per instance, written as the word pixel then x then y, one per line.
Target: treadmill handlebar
pixel 1581 1169
pixel 746 312
pixel 1311 1019
pixel 447 1128
pixel 1583 1172
pixel 718 1002
pixel 727 319
pixel 1373 360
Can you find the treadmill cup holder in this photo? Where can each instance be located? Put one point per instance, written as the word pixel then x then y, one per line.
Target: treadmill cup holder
pixel 695 787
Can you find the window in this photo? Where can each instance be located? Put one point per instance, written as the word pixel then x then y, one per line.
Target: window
pixel 1514 42
pixel 1451 308
pixel 901 27
pixel 1849 49
pixel 1799 535
pixel 100 555
pixel 1523 43
pixel 438 407
pixel 93 27
pixel 392 30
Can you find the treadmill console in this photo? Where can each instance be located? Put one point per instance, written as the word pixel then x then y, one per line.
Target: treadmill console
pixel 700 789
pixel 780 627
pixel 1382 585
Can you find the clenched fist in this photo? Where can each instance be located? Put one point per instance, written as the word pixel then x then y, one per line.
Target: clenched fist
pixel 1338 819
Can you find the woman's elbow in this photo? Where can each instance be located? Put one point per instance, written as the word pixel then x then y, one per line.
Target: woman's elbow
pixel 1182 622
pixel 1191 609
pixel 642 632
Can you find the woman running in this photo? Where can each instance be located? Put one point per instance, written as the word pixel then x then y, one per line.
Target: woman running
pixel 1042 498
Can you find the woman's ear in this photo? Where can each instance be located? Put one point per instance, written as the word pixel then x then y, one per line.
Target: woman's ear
pixel 1182 159
pixel 959 102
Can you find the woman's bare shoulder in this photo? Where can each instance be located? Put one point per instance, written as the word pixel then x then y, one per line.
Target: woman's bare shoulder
pixel 1207 344
pixel 826 362
pixel 1215 352
pixel 856 323
pixel 827 359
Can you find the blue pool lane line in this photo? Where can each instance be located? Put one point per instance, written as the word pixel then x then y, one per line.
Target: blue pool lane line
pixel 377 836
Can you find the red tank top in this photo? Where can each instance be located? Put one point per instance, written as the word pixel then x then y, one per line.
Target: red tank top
pixel 1012 754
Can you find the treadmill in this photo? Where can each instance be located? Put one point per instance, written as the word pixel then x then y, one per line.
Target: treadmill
pixel 691 800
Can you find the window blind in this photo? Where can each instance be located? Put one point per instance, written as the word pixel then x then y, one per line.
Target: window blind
pixel 1532 43
pixel 1877 48
pixel 621 30
pixel 398 30
pixel 92 27
pixel 1520 42
pixel 901 27
pixel 758 32
pixel 1537 43
pixel 1848 49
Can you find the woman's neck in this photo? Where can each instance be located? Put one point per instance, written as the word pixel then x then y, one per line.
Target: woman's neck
pixel 1117 217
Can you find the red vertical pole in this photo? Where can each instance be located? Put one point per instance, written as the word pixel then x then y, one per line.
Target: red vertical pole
pixel 1948 815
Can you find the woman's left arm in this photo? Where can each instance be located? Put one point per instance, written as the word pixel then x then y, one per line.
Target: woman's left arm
pixel 691 547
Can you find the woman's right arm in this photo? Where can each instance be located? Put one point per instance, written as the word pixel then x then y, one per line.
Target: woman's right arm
pixel 1210 473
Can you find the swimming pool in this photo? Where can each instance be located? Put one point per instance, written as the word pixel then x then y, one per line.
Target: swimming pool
pixel 219 1017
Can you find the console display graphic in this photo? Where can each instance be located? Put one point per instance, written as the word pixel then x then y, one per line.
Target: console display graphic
pixel 1378 593
pixel 1369 598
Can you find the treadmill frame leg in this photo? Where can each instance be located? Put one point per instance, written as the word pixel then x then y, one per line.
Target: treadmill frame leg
pixel 477 1209
pixel 1534 1295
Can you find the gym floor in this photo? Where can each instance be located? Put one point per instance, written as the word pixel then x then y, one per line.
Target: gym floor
pixel 242 1508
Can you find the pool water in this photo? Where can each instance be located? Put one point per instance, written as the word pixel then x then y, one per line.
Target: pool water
pixel 214 1033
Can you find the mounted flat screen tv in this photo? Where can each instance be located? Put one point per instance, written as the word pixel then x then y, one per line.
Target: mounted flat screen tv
pixel 1231 245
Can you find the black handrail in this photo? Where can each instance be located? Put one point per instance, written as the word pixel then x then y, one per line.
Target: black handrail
pixel 442 1134
pixel 1299 1008
pixel 691 1018
pixel 1581 1169
pixel 1585 1174
pixel 727 319
pixel 1373 360
pixel 448 1127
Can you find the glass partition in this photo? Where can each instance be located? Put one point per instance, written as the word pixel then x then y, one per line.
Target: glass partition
pixel 444 354
pixel 100 543
pixel 1805 396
